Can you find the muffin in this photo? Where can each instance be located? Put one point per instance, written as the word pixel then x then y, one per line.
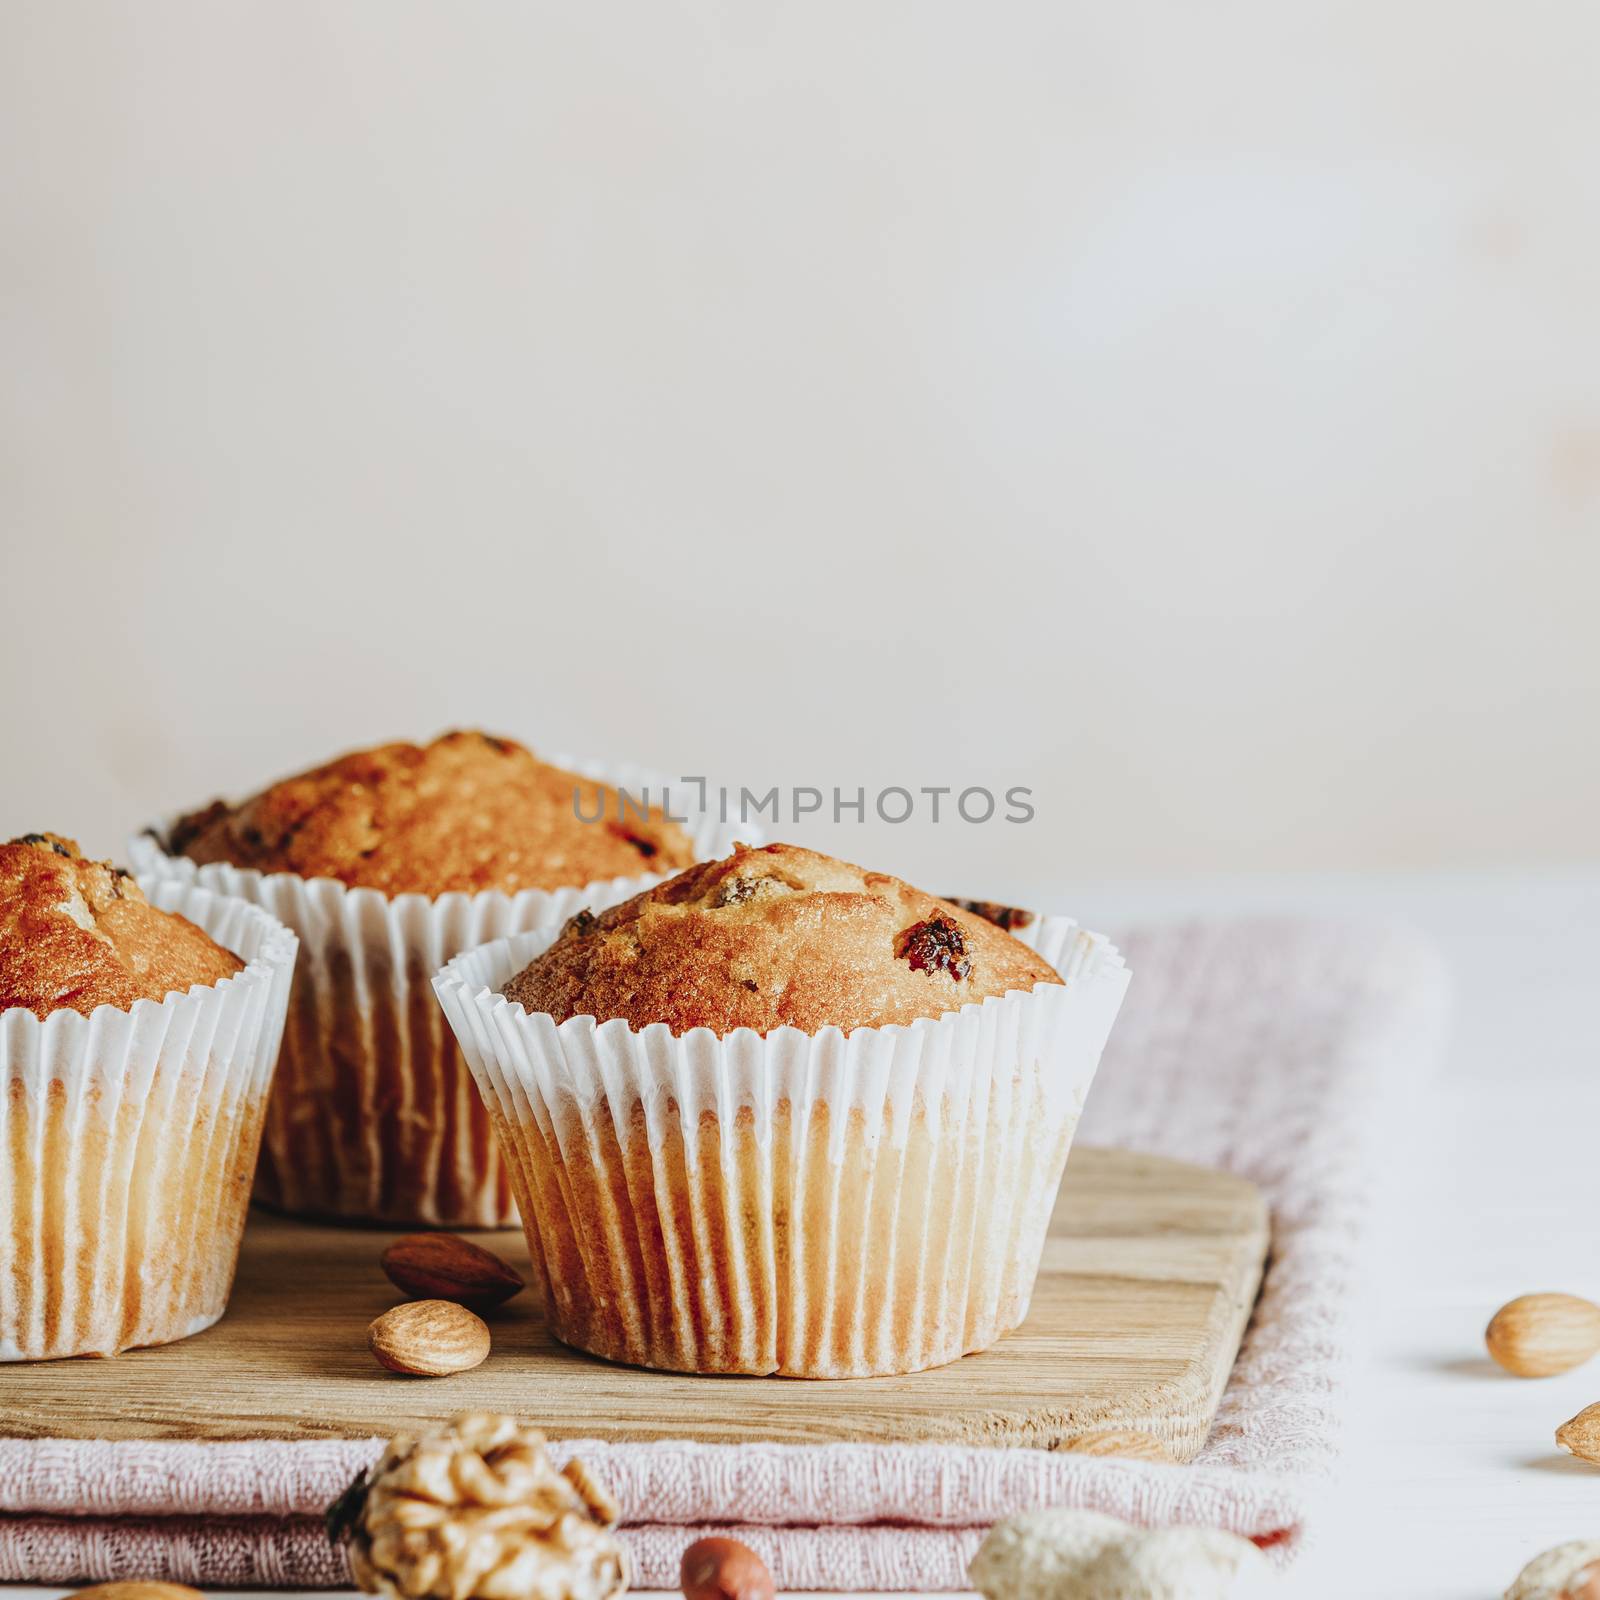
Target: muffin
pixel 387 862
pixel 466 813
pixel 78 935
pixel 136 1051
pixel 781 1115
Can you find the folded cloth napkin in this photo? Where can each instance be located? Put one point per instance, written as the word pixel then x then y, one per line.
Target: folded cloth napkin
pixel 1278 1050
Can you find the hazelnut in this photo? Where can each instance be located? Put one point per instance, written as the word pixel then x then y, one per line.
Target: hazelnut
pixel 723 1569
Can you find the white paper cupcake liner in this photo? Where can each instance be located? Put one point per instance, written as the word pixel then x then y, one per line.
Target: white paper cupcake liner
pixel 374 1116
pixel 814 1205
pixel 129 1140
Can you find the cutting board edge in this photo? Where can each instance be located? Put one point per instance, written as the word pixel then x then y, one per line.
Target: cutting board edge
pixel 1178 1409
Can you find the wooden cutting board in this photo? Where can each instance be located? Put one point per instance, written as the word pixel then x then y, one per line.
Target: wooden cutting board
pixel 1149 1273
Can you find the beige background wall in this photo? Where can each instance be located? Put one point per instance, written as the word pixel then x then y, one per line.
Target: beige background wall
pixel 1191 412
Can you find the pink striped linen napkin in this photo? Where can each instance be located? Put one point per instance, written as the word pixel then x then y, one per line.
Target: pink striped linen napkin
pixel 1277 1050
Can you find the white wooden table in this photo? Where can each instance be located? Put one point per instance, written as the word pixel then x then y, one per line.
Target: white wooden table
pixel 1451 1476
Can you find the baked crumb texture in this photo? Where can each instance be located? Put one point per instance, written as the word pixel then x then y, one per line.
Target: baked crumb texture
pixel 771 937
pixel 465 813
pixel 76 934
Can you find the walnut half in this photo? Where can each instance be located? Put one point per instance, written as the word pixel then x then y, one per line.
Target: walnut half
pixel 476 1511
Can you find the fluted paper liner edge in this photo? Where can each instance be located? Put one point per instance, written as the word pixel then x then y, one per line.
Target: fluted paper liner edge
pixel 821 1205
pixel 374 1118
pixel 130 1140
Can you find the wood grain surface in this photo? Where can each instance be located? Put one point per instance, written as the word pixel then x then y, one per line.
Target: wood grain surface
pixel 1149 1274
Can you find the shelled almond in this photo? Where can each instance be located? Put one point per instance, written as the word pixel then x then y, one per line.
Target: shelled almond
pixel 428 1339
pixel 444 1266
pixel 1540 1335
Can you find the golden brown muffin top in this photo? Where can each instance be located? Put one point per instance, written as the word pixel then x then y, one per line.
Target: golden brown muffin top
pixel 78 934
pixel 773 937
pixel 467 812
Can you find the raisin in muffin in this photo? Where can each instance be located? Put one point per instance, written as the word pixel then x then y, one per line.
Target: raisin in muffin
pixel 387 862
pixel 776 937
pixel 465 813
pixel 136 1050
pixel 781 1115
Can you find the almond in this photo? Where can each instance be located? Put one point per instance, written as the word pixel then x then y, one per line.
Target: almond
pixel 141 1589
pixel 429 1338
pixel 1118 1442
pixel 444 1266
pixel 1539 1335
pixel 1581 1435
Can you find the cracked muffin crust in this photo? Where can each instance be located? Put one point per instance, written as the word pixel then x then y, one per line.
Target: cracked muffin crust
pixel 467 812
pixel 773 937
pixel 77 934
